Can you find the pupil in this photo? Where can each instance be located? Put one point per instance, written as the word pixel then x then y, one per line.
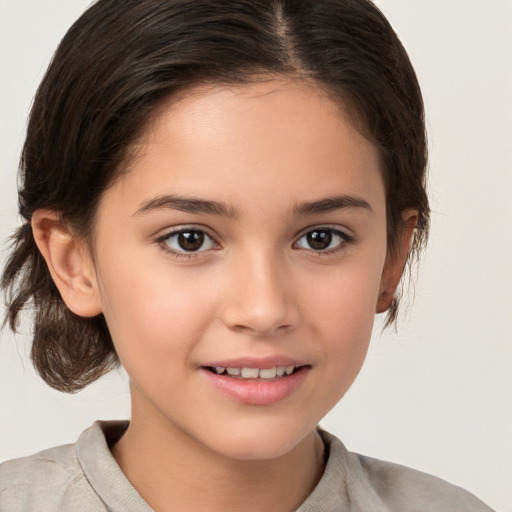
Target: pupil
pixel 319 239
pixel 191 240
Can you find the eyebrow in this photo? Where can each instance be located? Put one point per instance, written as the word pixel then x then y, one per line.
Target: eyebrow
pixel 195 205
pixel 329 204
pixel 188 205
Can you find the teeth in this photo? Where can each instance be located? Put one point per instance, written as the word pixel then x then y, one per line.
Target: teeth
pixel 250 373
pixel 254 373
pixel 269 373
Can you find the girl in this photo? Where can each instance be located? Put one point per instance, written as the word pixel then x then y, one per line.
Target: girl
pixel 219 196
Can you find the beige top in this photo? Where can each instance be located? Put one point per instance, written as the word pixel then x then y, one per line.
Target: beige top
pixel 85 477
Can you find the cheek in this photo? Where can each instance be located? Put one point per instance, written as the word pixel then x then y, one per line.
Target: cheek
pixel 152 312
pixel 345 295
pixel 342 307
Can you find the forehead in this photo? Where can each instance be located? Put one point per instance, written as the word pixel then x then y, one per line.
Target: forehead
pixel 273 138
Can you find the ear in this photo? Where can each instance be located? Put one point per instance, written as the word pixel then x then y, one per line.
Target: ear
pixel 395 261
pixel 69 263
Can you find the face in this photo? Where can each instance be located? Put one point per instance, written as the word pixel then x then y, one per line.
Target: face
pixel 245 242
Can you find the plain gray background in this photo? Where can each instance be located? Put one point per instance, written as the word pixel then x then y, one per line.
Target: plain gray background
pixel 436 396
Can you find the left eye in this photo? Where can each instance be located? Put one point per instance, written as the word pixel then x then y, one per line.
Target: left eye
pixel 322 239
pixel 189 240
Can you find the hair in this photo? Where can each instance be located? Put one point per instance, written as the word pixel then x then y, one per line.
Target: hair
pixel 121 60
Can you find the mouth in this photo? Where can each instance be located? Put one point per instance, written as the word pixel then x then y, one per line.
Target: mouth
pixel 251 373
pixel 257 381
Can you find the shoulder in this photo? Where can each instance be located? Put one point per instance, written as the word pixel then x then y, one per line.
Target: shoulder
pixel 50 480
pixel 373 484
pixel 404 488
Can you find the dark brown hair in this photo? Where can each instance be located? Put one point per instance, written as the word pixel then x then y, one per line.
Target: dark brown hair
pixel 117 64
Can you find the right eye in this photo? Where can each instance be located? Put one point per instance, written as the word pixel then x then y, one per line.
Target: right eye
pixel 186 241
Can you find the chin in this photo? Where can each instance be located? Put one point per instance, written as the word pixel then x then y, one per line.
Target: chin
pixel 263 443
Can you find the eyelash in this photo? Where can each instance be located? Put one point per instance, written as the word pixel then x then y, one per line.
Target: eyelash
pixel 345 239
pixel 164 239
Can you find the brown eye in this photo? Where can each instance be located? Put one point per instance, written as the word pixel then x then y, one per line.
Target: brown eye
pixel 319 240
pixel 189 240
pixel 322 239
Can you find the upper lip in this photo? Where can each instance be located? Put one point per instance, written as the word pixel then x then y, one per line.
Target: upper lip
pixel 256 362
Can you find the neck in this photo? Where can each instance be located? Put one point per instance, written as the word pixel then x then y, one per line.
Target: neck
pixel 166 466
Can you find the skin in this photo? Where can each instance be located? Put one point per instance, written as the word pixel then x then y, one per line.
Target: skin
pixel 257 290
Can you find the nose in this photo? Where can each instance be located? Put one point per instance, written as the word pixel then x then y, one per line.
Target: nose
pixel 261 299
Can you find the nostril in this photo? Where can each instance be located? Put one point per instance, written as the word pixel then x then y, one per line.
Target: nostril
pixel 260 317
pixel 261 331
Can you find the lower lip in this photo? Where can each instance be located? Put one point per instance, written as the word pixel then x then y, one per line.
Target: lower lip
pixel 258 391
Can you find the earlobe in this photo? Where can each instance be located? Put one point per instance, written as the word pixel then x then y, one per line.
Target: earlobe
pixel 395 261
pixel 69 264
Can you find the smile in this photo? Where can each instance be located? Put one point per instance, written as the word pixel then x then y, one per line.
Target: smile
pixel 254 373
pixel 256 386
